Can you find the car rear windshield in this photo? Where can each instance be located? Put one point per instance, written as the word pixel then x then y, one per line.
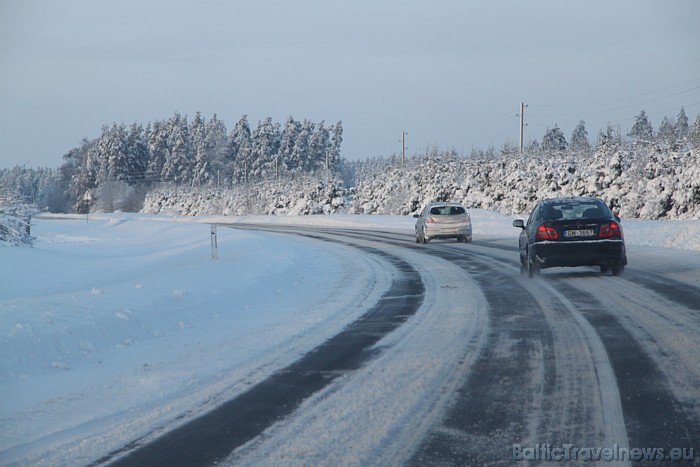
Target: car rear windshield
pixel 574 210
pixel 447 210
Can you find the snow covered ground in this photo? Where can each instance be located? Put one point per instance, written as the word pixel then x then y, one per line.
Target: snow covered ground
pixel 125 320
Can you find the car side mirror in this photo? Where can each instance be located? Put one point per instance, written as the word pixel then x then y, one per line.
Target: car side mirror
pixel 416 216
pixel 519 223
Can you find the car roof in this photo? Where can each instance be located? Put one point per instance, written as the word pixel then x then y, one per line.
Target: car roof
pixel 445 203
pixel 572 199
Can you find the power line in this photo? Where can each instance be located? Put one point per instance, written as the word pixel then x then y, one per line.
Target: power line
pixel 628 106
pixel 607 101
pixel 488 124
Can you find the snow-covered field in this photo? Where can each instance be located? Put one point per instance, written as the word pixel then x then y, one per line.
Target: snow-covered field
pixel 125 320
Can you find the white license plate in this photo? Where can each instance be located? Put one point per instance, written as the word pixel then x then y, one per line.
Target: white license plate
pixel 579 233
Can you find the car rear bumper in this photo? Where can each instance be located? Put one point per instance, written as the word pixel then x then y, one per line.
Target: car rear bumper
pixel 579 253
pixel 448 231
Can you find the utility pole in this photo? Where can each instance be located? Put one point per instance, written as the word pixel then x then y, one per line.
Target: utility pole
pixel 522 125
pixel 403 146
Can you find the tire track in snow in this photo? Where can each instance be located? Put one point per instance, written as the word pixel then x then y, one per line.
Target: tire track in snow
pixel 648 327
pixel 633 383
pixel 377 415
pixel 683 294
pixel 543 376
pixel 529 385
pixel 213 436
pixel 654 357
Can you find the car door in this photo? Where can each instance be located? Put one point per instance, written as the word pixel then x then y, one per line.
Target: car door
pixel 525 234
pixel 421 220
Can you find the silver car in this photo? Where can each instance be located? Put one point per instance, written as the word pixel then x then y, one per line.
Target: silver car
pixel 443 220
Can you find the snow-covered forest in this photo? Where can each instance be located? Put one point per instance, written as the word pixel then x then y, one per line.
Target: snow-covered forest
pixel 199 167
pixel 642 174
pixel 15 219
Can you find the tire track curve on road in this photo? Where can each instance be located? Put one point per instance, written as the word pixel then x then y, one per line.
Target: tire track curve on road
pixel 654 355
pixel 537 380
pixel 213 436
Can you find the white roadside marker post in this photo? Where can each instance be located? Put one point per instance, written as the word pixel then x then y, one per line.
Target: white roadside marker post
pixel 87 199
pixel 214 253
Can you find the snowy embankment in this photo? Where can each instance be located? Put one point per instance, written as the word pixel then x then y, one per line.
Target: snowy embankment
pixel 125 321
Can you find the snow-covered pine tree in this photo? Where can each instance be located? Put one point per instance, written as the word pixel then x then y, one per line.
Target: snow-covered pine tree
pixel 682 127
pixel 553 140
pixel 336 142
pixel 265 145
pixel 610 139
pixel 87 176
pixel 200 164
pixel 319 147
pixel 694 134
pixel 178 163
pixel 240 151
pixel 641 132
pixel 666 135
pixel 111 154
pixel 579 139
pixel 137 155
pixel 288 138
pixel 301 154
pixel 217 144
pixel 158 151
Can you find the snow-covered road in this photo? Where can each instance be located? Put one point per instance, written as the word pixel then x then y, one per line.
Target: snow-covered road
pixel 122 329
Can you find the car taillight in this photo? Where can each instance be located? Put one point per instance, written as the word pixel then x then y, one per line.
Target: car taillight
pixel 429 220
pixel 611 230
pixel 546 233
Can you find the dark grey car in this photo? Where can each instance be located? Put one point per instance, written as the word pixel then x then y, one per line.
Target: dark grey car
pixel 579 231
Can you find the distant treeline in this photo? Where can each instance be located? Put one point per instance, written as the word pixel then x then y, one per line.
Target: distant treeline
pixel 200 153
pixel 124 163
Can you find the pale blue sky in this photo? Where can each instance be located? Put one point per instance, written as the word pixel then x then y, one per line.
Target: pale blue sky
pixel 451 73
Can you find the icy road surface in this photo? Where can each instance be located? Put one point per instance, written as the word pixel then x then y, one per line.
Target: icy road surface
pixel 340 343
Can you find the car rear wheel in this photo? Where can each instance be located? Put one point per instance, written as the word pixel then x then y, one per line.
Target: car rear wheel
pixel 618 269
pixel 533 267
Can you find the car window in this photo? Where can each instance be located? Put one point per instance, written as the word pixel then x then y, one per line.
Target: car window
pixel 573 210
pixel 447 211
